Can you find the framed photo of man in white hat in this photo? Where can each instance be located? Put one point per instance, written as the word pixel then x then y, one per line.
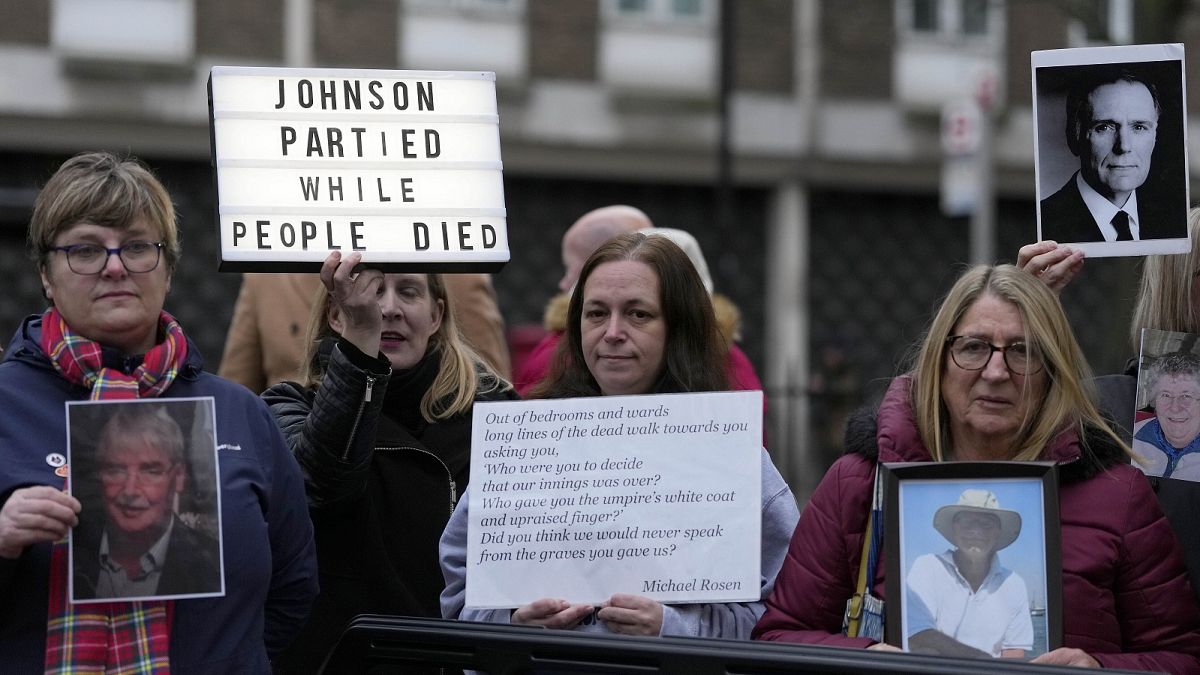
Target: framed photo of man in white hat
pixel 973 559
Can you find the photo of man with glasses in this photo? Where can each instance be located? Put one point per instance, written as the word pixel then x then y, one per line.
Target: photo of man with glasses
pixel 1168 443
pixel 143 548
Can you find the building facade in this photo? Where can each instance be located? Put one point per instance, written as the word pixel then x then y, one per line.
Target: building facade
pixel 799 140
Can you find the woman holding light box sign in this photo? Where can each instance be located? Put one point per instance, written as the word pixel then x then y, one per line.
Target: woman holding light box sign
pixel 639 322
pixel 381 425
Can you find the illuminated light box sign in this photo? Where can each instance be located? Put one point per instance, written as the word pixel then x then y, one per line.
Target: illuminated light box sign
pixel 403 166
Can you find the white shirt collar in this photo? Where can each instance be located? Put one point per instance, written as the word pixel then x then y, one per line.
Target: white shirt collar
pixel 1103 210
pixel 151 561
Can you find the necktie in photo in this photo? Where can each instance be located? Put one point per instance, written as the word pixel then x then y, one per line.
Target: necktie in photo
pixel 1121 222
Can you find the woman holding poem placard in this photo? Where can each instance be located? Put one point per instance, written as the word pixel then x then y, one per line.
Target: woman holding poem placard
pixel 1000 377
pixel 381 426
pixel 639 322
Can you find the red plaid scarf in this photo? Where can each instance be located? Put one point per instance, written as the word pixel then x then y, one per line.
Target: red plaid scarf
pixel 114 637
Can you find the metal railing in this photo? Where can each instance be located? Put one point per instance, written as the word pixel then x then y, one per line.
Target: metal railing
pixel 382 644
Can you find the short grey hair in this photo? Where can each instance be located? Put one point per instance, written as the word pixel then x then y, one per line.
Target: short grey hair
pixel 146 421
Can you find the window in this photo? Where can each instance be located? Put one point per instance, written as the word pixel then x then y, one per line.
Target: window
pixel 975 17
pixel 494 6
pixel 925 15
pixel 949 20
pixel 661 11
pixel 1101 22
pixel 488 35
pixel 668 47
pixel 947 50
pixel 150 32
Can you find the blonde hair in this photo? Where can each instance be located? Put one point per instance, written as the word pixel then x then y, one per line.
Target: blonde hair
pixel 1164 299
pixel 462 374
pixel 1068 399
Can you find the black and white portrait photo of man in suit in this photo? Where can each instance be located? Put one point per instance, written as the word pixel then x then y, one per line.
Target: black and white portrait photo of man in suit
pixel 1128 180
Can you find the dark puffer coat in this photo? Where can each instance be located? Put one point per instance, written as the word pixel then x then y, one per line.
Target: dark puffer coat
pixel 1126 596
pixel 381 484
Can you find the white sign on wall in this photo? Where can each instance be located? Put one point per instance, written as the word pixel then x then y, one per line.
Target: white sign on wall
pixel 403 166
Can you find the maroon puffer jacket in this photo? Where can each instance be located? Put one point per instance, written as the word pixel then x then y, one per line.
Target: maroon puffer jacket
pixel 1125 590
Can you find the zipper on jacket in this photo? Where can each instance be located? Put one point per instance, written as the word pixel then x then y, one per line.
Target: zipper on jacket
pixel 449 476
pixel 358 416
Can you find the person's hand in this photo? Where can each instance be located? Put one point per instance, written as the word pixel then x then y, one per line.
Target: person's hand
pixel 632 614
pixel 34 515
pixel 1067 656
pixel 1055 265
pixel 353 292
pixel 884 647
pixel 550 613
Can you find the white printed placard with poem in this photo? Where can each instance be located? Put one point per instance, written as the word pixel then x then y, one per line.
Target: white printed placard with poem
pixel 658 496
pixel 401 166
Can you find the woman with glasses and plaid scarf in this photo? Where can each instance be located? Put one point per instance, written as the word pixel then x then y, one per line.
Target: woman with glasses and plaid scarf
pixel 104 239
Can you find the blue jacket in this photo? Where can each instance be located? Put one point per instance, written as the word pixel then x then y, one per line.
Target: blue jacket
pixel 269 558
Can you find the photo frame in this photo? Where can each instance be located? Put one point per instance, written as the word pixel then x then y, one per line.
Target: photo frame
pixel 1011 508
pixel 1166 414
pixel 147 476
pixel 1110 148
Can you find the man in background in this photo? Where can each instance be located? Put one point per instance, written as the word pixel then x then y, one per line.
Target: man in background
pixel 580 240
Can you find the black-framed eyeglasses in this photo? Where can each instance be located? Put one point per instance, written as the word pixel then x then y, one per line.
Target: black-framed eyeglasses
pixel 137 256
pixel 972 353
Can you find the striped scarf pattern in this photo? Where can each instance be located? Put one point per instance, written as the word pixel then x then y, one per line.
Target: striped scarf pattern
pixel 114 638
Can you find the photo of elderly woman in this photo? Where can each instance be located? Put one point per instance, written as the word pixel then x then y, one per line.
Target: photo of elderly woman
pixel 1166 431
pixel 974 583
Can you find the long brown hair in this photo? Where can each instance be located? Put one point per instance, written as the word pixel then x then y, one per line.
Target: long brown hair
pixel 694 358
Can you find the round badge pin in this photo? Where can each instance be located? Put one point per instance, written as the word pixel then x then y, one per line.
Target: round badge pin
pixel 61 471
pixel 56 459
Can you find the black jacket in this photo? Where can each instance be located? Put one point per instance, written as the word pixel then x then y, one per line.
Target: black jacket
pixel 1066 218
pixel 192 565
pixel 381 483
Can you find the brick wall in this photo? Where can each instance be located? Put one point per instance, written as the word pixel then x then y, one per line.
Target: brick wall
pixel 25 21
pixel 858 37
pixel 563 38
pixel 1032 25
pixel 236 28
pixel 764 45
pixel 359 34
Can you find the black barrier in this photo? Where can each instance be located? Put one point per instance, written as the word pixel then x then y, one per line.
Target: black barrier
pixel 382 644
